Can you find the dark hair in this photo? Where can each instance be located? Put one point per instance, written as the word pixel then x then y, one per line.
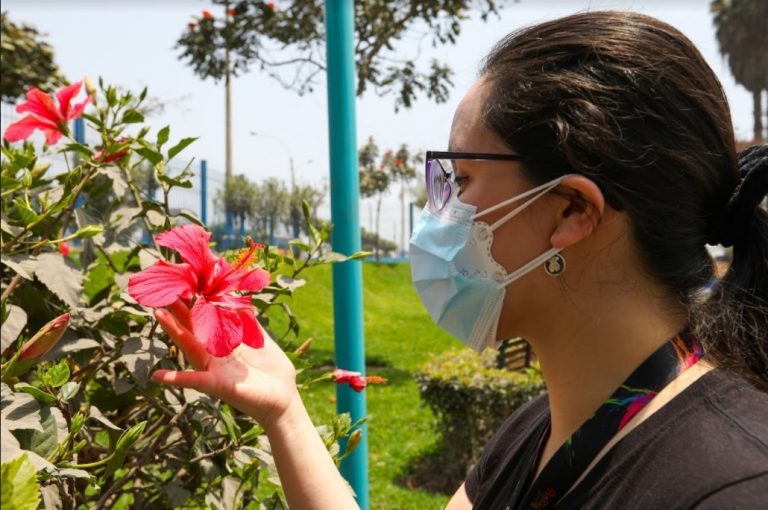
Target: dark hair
pixel 629 102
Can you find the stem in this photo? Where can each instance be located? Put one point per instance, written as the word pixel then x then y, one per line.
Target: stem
pixel 116 486
pixel 90 464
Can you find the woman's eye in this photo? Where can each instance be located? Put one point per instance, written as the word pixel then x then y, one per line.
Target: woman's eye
pixel 460 179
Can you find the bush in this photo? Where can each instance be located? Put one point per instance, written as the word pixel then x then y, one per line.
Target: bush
pixel 471 398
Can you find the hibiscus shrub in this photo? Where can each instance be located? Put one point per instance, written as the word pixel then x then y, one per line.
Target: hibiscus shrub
pixel 82 424
pixel 471 397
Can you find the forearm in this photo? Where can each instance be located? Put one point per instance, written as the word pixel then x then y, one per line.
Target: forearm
pixel 307 472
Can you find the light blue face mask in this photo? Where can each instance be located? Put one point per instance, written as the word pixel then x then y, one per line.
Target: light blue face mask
pixel 457 279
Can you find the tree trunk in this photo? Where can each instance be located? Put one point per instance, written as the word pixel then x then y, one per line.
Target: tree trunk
pixel 757 111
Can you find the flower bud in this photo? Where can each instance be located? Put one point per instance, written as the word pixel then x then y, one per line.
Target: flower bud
pixel 89 88
pixel 353 441
pixel 303 348
pixel 45 339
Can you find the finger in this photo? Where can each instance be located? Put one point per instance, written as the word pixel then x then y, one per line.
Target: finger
pixel 193 349
pixel 180 310
pixel 200 381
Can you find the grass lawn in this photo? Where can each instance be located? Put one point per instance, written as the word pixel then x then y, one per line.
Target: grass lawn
pixel 399 336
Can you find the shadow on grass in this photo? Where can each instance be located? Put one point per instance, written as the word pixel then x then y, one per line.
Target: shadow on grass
pixel 437 470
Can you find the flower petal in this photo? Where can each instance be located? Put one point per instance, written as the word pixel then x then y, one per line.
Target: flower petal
pixel 65 96
pixel 78 109
pixel 220 329
pixel 252 336
pixel 253 280
pixel 162 283
pixel 191 241
pixel 52 135
pixel 42 105
pixel 23 129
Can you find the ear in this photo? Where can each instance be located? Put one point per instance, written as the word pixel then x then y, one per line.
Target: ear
pixel 579 212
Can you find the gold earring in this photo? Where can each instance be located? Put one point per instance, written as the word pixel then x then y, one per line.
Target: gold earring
pixel 555 265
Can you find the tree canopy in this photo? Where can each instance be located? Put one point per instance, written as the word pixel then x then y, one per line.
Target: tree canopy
pixel 289 43
pixel 26 60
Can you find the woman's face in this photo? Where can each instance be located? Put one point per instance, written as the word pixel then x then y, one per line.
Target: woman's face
pixel 487 183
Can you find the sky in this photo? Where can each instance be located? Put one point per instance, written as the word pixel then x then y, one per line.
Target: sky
pixel 131 44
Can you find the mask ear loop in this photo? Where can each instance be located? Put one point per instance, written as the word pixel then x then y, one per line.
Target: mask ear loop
pixel 517 273
pixel 538 191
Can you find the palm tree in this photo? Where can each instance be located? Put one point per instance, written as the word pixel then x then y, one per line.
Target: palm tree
pixel 742 32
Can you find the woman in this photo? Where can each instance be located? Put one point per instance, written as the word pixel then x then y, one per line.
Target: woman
pixel 590 164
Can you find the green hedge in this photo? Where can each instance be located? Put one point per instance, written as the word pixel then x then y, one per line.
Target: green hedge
pixel 471 398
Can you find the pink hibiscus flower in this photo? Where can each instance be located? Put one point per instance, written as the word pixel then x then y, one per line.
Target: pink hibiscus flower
pixel 355 380
pixel 45 115
pixel 221 316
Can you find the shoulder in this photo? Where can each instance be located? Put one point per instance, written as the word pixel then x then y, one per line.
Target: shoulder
pixel 711 437
pixel 517 431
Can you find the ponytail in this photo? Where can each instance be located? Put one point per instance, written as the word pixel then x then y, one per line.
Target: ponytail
pixel 733 322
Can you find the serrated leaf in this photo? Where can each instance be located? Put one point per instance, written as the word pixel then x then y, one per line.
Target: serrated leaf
pixel 61 276
pixel 18 410
pixel 180 147
pixel 140 355
pixel 119 185
pixel 17 319
pixel 57 375
pixel 45 442
pixel 20 490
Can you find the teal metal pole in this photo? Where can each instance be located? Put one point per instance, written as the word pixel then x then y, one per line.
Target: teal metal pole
pixel 345 199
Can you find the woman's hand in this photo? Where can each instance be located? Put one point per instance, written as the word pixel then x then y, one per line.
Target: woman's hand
pixel 258 382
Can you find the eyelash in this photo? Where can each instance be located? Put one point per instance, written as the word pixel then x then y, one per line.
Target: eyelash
pixel 460 179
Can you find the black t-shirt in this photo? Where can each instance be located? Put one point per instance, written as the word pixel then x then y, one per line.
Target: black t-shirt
pixel 705 449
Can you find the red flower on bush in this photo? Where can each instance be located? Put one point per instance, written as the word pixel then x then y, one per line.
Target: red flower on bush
pixel 64 249
pixel 271 6
pixel 45 115
pixel 355 380
pixel 207 15
pixel 100 157
pixel 191 25
pixel 231 12
pixel 221 317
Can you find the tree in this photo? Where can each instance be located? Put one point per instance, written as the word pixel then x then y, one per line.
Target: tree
pixel 26 60
pixel 742 32
pixel 374 180
pixel 270 207
pixel 237 198
pixel 370 242
pixel 402 169
pixel 290 43
pixel 314 197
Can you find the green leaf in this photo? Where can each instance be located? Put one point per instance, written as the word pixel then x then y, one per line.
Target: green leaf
pixel 79 148
pixel 61 276
pixel 171 181
pixel 68 391
pixel 229 423
pixel 42 396
pixel 150 155
pixel 27 214
pixel 124 443
pixel 58 374
pixel 87 231
pixel 19 485
pixel 162 136
pixel 132 117
pixel 180 147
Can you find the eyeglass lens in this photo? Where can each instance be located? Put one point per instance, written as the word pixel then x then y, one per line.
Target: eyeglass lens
pixel 438 184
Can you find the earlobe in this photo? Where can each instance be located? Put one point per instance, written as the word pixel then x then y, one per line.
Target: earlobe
pixel 581 212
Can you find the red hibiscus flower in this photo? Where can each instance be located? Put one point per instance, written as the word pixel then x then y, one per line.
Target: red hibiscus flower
pixel 64 249
pixel 191 25
pixel 220 316
pixel 207 15
pixel 355 380
pixel 271 6
pixel 100 157
pixel 231 12
pixel 45 115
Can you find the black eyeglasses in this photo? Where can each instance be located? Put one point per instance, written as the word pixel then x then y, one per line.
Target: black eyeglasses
pixel 440 173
